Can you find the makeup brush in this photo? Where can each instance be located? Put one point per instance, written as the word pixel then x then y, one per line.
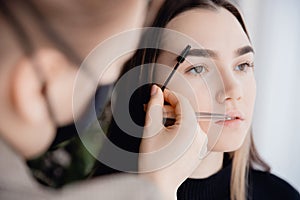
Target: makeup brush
pixel 180 59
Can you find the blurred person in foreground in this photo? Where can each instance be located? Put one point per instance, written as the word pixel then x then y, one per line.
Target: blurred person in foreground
pixel 42 46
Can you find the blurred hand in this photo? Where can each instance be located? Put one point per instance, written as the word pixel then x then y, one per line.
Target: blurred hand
pixel 169 155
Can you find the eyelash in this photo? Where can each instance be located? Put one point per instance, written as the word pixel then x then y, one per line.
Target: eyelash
pixel 194 68
pixel 247 66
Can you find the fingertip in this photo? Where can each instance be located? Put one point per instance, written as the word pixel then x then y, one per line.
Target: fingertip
pixel 159 91
pixel 154 89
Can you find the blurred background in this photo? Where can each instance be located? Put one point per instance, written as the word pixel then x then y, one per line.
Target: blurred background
pixel 274 27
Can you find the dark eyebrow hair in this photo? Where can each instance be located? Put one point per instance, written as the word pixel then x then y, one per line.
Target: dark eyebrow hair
pixel 244 50
pixel 212 54
pixel 202 53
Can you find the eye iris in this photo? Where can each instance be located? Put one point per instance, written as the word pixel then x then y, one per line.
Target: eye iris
pixel 199 69
pixel 242 67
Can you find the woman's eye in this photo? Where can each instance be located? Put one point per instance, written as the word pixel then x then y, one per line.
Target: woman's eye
pixel 198 69
pixel 243 67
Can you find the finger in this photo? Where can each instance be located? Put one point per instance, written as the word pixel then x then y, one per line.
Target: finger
pixel 168 110
pixel 183 111
pixel 154 114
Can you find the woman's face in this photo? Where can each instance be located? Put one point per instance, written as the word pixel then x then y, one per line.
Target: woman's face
pixel 220 73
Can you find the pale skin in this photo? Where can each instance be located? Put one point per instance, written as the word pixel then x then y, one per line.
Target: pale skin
pixel 221 33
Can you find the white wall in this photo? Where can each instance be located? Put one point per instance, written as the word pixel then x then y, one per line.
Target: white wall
pixel 275 29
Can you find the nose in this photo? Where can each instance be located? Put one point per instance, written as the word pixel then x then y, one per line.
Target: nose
pixel 231 90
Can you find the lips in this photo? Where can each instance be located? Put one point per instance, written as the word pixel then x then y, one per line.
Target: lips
pixel 237 118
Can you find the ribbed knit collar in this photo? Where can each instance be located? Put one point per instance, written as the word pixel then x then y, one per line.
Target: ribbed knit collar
pixel 215 187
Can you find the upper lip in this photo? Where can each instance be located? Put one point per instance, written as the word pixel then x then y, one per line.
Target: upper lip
pixel 235 114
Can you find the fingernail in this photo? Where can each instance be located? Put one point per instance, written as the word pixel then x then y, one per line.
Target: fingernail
pixel 153 90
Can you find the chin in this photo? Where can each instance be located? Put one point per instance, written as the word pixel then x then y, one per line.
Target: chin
pixel 228 142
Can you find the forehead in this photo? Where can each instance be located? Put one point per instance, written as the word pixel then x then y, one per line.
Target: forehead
pixel 217 29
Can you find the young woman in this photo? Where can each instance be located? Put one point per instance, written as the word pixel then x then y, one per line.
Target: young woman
pixel 226 56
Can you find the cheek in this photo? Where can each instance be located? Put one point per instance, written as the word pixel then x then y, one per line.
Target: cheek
pixel 199 95
pixel 197 92
pixel 204 99
pixel 249 91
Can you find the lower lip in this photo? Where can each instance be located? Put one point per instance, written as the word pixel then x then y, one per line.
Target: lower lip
pixel 230 123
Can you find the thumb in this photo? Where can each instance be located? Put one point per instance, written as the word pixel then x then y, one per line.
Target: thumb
pixel 154 114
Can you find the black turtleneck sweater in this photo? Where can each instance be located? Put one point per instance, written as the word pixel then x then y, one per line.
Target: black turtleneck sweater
pixel 262 186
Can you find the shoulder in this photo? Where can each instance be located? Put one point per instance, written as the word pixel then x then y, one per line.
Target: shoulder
pixel 264 185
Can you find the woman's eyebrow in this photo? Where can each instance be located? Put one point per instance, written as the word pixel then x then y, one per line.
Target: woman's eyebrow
pixel 244 50
pixel 202 53
pixel 207 53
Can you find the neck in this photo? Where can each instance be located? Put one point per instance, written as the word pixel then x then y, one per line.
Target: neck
pixel 210 165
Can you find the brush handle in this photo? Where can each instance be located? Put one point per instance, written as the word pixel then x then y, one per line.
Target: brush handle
pixel 204 116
